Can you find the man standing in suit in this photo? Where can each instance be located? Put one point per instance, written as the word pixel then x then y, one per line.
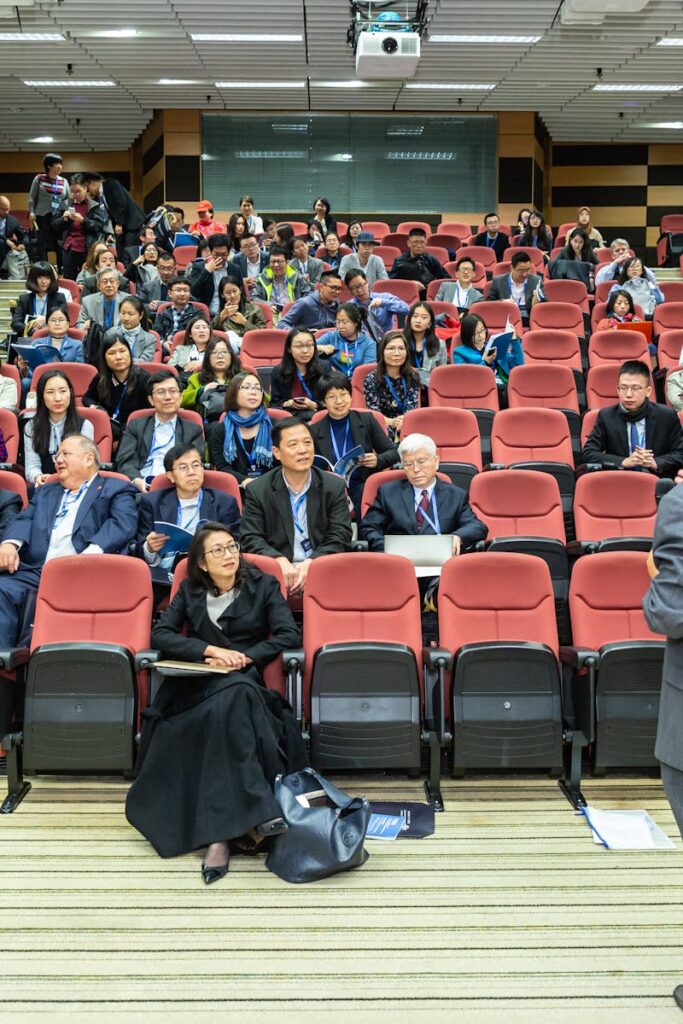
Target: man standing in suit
pixel 13 238
pixel 103 307
pixel 295 513
pixel 421 504
pixel 519 286
pixel 146 439
pixel 636 433
pixel 663 607
pixel 492 237
pixel 124 213
pixel 84 513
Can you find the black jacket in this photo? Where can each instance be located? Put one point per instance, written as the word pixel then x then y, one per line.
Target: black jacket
pixel 393 512
pixel 135 398
pixel 424 269
pixel 94 223
pixel 281 389
pixel 137 439
pixel 608 443
pixel 24 308
pixel 14 231
pixel 10 507
pixel 162 507
pixel 501 243
pixel 268 525
pixel 123 210
pixel 202 284
pixel 364 430
pixel 240 466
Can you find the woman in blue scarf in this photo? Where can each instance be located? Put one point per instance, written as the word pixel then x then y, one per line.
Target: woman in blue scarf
pixel 241 443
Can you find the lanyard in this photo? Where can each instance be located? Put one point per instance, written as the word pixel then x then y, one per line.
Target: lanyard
pixel 197 510
pixel 70 499
pixel 419 356
pixel 162 447
pixel 461 296
pixel 348 360
pixel 401 404
pixel 250 457
pixel 491 241
pixel 434 523
pixel 115 414
pixel 345 443
pixel 39 305
pixel 108 312
pixel 304 385
pixel 296 509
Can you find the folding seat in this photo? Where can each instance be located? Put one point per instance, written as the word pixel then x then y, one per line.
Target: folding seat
pixel 497 631
pixel 101 429
pixel 455 433
pixel 557 348
pixel 616 659
pixel 439 253
pixel 86 680
pixel 409 291
pixel 73 311
pixel 603 289
pixel 554 253
pixel 11 432
pixel 184 254
pixel 357 392
pixel 446 241
pixel 561 316
pixel 535 255
pixel 564 230
pixel 200 306
pixel 615 511
pixel 672 290
pixel 523 511
pixel 502 268
pixel 467 387
pixel 71 287
pixel 668 316
pixel 219 481
pixel 537 439
pixel 573 292
pixel 443 307
pixel 262 347
pixel 600 312
pixel 153 367
pixel 364 694
pixel 379 229
pixel 481 254
pixel 398 239
pixel 587 424
pixel 321 251
pixel 387 253
pixel 505 229
pixel 16 483
pixel 80 375
pixel 386 476
pixel 496 314
pixel 601 385
pixel 406 226
pixel 604 254
pixel 179 335
pixel 265 309
pixel 542 386
pixel 342 228
pixel 668 247
pixel 455 227
pixel 617 347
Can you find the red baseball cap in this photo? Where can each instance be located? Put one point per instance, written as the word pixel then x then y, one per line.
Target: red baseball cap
pixel 204 205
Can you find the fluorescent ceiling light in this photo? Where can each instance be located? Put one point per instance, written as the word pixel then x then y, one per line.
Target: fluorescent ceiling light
pixel 289 128
pixel 42 138
pixel 118 33
pixel 179 81
pixel 402 155
pixel 270 154
pixel 671 41
pixel 244 37
pixel 602 87
pixel 31 37
pixel 664 124
pixel 71 83
pixel 260 85
pixel 458 86
pixel 351 83
pixel 483 39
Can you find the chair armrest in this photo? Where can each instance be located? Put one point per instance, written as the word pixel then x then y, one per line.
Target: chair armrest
pixel 581 664
pixel 359 545
pixel 576 548
pixel 293 663
pixel 13 657
pixel 145 659
pixel 437 661
pixel 494 465
pixel 12 467
pixel 579 658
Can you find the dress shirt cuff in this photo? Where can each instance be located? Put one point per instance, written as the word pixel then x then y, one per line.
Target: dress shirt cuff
pixel 92 549
pixel 151 557
pixel 17 543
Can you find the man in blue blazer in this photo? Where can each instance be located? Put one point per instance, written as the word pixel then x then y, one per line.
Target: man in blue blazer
pixel 84 513
pixel 249 261
pixel 421 504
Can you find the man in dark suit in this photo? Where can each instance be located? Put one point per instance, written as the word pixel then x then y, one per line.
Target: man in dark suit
pixel 187 503
pixel 124 212
pixel 636 433
pixel 417 264
pixel 206 277
pixel 146 439
pixel 10 507
pixel 154 292
pixel 13 238
pixel 84 513
pixel 295 513
pixel 421 504
pixel 131 252
pixel 250 261
pixel 492 238
pixel 519 286
pixel 177 316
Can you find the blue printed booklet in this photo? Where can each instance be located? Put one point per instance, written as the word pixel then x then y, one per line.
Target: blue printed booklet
pixel 178 539
pixel 37 355
pixel 385 826
pixel 344 466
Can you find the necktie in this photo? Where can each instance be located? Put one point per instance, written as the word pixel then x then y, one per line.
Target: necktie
pixel 422 507
pixel 634 437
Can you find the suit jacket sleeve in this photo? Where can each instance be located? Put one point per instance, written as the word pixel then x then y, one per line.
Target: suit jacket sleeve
pixel 284 634
pixel 595 447
pixel 10 507
pixel 338 534
pixel 22 525
pixel 374 524
pixel 201 286
pixel 468 526
pixel 120 525
pixel 495 293
pixel 672 458
pixel 167 635
pixel 146 517
pixel 127 456
pixel 255 528
pixel 85 312
pixel 663 602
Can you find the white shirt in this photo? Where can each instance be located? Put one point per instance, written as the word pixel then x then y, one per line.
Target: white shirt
pixel 301 518
pixel 253 269
pixel 163 438
pixel 61 539
pixel 418 492
pixel 215 303
pixel 215 606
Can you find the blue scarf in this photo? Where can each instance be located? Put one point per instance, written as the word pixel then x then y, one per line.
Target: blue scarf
pixel 261 453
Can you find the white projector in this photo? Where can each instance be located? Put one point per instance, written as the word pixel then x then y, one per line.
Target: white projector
pixel 387 54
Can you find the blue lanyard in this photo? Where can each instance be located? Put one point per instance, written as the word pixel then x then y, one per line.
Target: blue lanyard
pixel 349 367
pixel 69 499
pixel 491 241
pixel 158 447
pixel 39 310
pixel 200 498
pixel 345 443
pixel 296 509
pixel 401 404
pixel 251 459
pixel 115 414
pixel 304 385
pixel 419 356
pixel 109 305
pixel 435 522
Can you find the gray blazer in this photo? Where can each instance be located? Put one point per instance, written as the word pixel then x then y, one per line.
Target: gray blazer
pixel 314 266
pixel 92 308
pixel 145 344
pixel 663 607
pixel 448 292
pixel 136 441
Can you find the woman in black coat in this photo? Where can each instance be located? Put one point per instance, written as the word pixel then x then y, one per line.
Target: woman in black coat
pixel 41 298
pixel 212 744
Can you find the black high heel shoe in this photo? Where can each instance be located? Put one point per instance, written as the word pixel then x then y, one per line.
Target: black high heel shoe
pixel 214 872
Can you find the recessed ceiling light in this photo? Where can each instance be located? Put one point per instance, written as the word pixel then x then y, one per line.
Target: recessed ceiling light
pixel 671 41
pixel 179 81
pixel 70 83
pixel 351 83
pixel 483 39
pixel 42 138
pixel 602 87
pixel 459 86
pixel 118 33
pixel 244 37
pixel 260 85
pixel 31 37
pixel 664 124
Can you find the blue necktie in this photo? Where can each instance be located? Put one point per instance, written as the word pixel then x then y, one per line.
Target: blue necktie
pixel 634 438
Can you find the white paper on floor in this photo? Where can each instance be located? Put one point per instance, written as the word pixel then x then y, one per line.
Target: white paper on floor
pixel 626 830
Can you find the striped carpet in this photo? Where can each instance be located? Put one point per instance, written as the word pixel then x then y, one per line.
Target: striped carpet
pixel 508 913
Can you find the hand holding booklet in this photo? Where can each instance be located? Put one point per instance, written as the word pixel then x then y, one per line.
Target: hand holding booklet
pixel 501 341
pixel 37 355
pixel 343 466
pixel 178 539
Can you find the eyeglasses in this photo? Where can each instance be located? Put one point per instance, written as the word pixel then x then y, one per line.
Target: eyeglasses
pixel 254 388
pixel 220 550
pixel 166 393
pixel 184 467
pixel 419 463
pixel 635 388
pixel 331 287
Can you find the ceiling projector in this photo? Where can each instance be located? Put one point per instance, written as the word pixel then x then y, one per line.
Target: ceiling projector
pixel 387 54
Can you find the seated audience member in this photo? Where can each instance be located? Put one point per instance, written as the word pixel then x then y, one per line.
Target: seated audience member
pixel 42 295
pixel 237 315
pixel 131 252
pixel 10 503
pixel 205 277
pixel 132 316
pixel 90 268
pixel 674 393
pixel 250 261
pixel 143 269
pixel 78 223
pixel 611 271
pixel 492 237
pixel 237 229
pixel 394 387
pixel 317 309
pixel 296 512
pixel 519 286
pixel 208 764
pixel 279 284
pixel 576 261
pixel 103 309
pixel 322 217
pixel 268 237
pixel 536 233
pixel 55 418
pixel 120 386
pixel 313 237
pixel 284 239
pixel 381 309
pixel 254 222
pixel 104 259
pixel 349 346
pixel 206 388
pixel 187 503
pixel 578 247
pixel 81 513
pixel 421 504
pixel 70 349
pixel 352 232
pixel 470 350
pixel 641 284
pixel 583 221
pixel 189 354
pixel 154 292
pixel 345 428
pixel 306 266
pixel 295 382
pixel 636 433
pixel 13 240
pixel 461 292
pixel 522 221
pixel 241 443
pixel 146 440
pixel 620 310
pixel 177 316
pixel 363 258
pixel 417 264
pixel 331 254
pixel 205 224
pixel 426 350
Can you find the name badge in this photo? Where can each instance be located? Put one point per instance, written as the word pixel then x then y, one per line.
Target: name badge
pixel 306 546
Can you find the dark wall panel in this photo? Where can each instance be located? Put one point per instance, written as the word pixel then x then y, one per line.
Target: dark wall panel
pixel 155 197
pixel 153 155
pixel 515 179
pixel 666 174
pixel 183 177
pixel 600 195
pixel 599 156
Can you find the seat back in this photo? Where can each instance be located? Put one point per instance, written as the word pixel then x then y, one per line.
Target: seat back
pixel 379 228
pixel 668 316
pixel 552 346
pixel 265 309
pixel 535 255
pixel 359 375
pixel 219 481
pixel 185 414
pixel 542 386
pixel 387 253
pixel 587 424
pixel 455 227
pixel 671 222
pixel 11 432
pixel 670 349
pixel 15 483
pixel 616 347
pixel 201 307
pixel 445 240
pixel 385 476
pixel 672 291
pixel 531 435
pixel 606 599
pixel 398 239
pixel 409 291
pixel 614 505
pixel 463 387
pixel 601 385
pixel 184 254
pixel 80 375
pixel 101 429
pixel 495 315
pixel 574 292
pixel 73 311
pixel 518 503
pixel 454 431
pixel 561 316
pixel 439 253
pixel 480 253
pixel 262 347
pixel 600 312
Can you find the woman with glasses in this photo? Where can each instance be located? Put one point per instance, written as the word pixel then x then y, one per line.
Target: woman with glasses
pixel 213 743
pixel 237 314
pixel 394 387
pixel 641 284
pixel 348 346
pixel 294 384
pixel 241 444
pixel 206 389
pixel 472 348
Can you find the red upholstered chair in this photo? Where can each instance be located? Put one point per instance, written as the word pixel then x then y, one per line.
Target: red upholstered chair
pixel 600 312
pixel 671 223
pixel 385 476
pixel 535 255
pixel 495 315
pixel 263 347
pixel 561 348
pixel 501 268
pixel 505 229
pixel 455 227
pixel 73 289
pixel 409 291
pixel 73 310
pixel 185 414
pixel 545 386
pixel 16 483
pixel 672 290
pixel 497 626
pixel 479 281
pixel 615 511
pixel 467 387
pixel 184 254
pixel 201 307
pixel 587 424
pixel 11 432
pixel 617 659
pixel 667 317
pixel 398 239
pixel 439 253
pixel 357 393
pixel 406 226
pixel 321 251
pixel 265 309
pixel 102 430
pixel 440 307
pixel 387 253
pixel 446 241
pixel 573 292
pixel 603 289
pixel 379 228
pixel 669 349
pixel 455 433
pixel 80 375
pixel 322 413
pixel 562 316
pixel 601 385
pixel 224 482
pixel 616 347
pixel 481 254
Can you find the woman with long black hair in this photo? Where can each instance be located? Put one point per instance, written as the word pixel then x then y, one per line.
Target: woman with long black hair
pixel 55 419
pixel 425 348
pixel 120 386
pixel 295 382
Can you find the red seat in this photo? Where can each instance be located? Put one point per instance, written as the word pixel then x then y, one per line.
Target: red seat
pixel 80 375
pixel 439 253
pixel 101 429
pixel 44 332
pixel 409 291
pixel 562 316
pixel 322 413
pixel 587 424
pixel 224 482
pixel 184 254
pixel 542 386
pixel 439 307
pixel 668 316
pixel 185 414
pixel 299 227
pixel 154 367
pixel 467 387
pixel 530 435
pixel 600 312
pixel 552 346
pixel 495 315
pixel 10 371
pixel 11 432
pixel 502 268
pixel 604 254
pixel 71 286
pixel 379 228
pixel 321 251
pixel 455 227
pixel 398 239
pixel 481 254
pixel 385 476
pixel 262 347
pixel 603 289
pixel 601 385
pixel 672 290
pixel 615 510
pixel 200 306
pixel 671 223
pixel 535 255
pixel 16 483
pixel 455 432
pixel 616 347
pixel 669 349
pixel 357 380
pixel 479 279
pixel 497 620
pixel 518 504
pixel 446 241
pixel 387 253
pixel 265 309
pixel 504 229
pixel 73 311
pixel 574 292
pixel 406 226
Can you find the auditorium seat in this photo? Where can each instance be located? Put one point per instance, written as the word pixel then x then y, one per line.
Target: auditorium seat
pixel 71 287
pixel 219 481
pixel 496 314
pixel 387 253
pixel 379 229
pixel 562 316
pixel 16 483
pixel 535 255
pixel 446 241
pixel 573 292
pixel 615 511
pixel 439 253
pixel 455 227
pixel 73 311
pixel 321 251
pixel 185 414
pixel 617 347
pixel 481 254
pixel 265 309
pixel 386 476
pixel 357 379
pixel 497 627
pixel 101 430
pixel 406 226
pixel 670 223
pixel 184 254
pixel 11 432
pixel 439 307
pixel 201 307
pixel 409 291
pixel 467 387
pixel 153 367
pixel 397 239
pixel 455 433
pixel 669 349
pixel 544 386
pixel 479 280
pixel 603 289
pixel 80 375
pixel 668 316
pixel 262 347
pixel 672 290
pixel 600 312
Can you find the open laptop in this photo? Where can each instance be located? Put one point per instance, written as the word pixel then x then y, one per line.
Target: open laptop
pixel 427 552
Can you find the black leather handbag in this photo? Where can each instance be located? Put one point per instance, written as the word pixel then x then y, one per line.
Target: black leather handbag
pixel 326 828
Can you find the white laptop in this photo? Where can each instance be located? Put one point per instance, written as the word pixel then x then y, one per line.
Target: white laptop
pixel 427 552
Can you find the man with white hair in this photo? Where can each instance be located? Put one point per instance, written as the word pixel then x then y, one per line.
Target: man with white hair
pixel 621 252
pixel 421 503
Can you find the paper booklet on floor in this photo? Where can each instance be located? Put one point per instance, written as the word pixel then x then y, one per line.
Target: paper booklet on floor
pixel 626 830
pixel 385 826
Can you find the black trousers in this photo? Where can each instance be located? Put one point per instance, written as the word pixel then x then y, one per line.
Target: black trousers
pixel 47 240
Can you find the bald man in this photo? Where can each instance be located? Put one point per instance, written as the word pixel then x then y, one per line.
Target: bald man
pixel 13 238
